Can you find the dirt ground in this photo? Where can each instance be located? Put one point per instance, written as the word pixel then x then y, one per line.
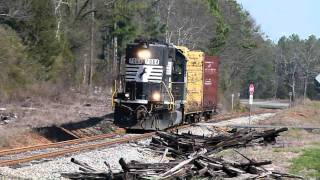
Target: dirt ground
pixel 44 113
pixel 291 144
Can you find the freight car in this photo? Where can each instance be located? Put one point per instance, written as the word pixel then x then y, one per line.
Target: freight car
pixel 165 85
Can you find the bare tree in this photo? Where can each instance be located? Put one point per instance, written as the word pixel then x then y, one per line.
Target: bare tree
pixel 310 57
pixel 289 58
pixel 189 23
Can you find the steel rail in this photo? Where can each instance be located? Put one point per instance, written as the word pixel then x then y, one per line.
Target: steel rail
pixel 55 145
pixel 75 149
pixel 224 117
pixel 272 126
pixel 237 115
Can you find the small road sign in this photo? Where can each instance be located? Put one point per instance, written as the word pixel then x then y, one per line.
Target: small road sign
pixel 251 88
pixel 251 91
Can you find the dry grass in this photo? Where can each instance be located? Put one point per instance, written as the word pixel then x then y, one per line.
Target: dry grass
pixel 18 138
pixel 42 112
pixel 306 114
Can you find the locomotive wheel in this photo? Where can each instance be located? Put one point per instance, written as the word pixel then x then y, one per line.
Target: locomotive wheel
pixel 197 118
pixel 207 116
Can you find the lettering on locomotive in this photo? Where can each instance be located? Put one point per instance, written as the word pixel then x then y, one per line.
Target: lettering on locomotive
pixel 144 61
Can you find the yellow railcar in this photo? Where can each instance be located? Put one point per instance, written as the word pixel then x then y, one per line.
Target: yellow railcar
pixel 194 74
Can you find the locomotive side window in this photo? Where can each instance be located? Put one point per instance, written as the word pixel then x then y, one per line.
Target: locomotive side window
pixel 178 69
pixel 178 76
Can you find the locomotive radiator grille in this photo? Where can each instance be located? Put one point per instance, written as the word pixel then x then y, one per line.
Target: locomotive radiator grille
pixel 144 73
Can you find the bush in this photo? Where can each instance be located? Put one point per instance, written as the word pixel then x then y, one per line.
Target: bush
pixel 13 71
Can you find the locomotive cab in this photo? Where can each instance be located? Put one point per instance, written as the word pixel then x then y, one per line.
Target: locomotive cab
pixel 153 87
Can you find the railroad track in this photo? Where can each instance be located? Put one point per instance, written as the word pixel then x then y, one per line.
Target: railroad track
pixel 55 145
pixel 74 149
pixel 67 150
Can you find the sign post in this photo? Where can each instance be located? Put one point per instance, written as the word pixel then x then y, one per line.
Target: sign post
pixel 251 91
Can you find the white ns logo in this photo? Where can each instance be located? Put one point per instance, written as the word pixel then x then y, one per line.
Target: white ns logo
pixel 140 76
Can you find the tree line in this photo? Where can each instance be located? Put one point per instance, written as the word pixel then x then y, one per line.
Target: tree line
pixel 79 44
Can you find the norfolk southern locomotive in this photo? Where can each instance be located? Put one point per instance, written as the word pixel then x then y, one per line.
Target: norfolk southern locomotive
pixel 164 85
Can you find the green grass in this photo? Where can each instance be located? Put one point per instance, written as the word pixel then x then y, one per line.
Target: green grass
pixel 288 149
pixel 314 104
pixel 308 164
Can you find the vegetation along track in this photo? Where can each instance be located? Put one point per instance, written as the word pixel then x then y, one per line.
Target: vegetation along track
pixel 65 145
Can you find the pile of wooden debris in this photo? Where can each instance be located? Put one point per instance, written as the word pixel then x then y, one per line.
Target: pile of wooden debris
pixel 194 156
pixel 185 144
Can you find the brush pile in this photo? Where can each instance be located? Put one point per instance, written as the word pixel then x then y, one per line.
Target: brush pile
pixel 194 156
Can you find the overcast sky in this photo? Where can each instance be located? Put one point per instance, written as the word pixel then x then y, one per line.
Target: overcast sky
pixel 285 17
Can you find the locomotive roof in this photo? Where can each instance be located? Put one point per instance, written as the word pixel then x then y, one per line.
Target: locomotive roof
pixel 154 44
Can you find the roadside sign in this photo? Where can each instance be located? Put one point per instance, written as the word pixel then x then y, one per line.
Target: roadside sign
pixel 251 91
pixel 251 88
pixel 251 99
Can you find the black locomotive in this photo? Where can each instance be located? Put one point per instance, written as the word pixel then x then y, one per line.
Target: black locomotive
pixel 165 85
pixel 152 91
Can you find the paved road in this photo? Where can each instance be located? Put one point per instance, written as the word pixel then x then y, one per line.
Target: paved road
pixel 272 104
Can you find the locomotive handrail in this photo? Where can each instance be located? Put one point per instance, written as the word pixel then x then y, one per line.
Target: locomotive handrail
pixel 170 95
pixel 114 93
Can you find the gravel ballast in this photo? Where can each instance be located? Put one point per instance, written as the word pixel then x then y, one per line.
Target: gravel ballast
pixel 129 151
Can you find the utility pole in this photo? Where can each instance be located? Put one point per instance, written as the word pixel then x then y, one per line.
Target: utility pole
pixel 91 47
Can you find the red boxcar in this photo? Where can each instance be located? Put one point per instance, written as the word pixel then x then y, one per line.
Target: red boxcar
pixel 210 84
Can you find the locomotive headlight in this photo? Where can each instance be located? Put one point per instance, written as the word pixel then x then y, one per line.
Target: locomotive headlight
pixel 156 96
pixel 144 54
pixel 127 95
